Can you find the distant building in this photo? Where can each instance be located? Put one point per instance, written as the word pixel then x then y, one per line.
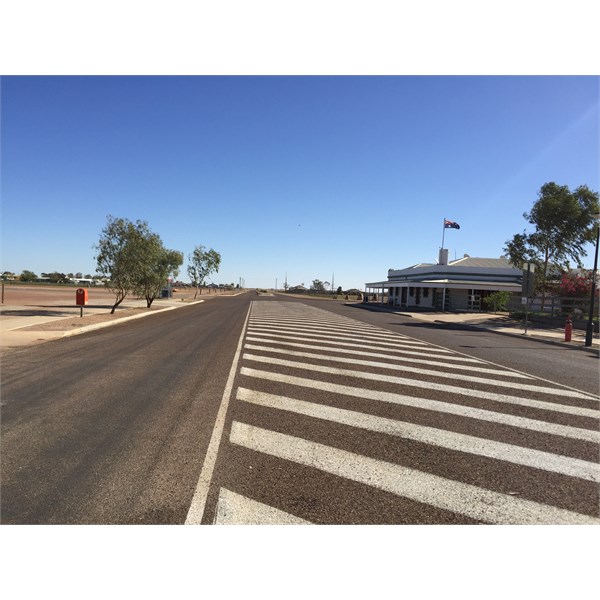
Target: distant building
pixel 82 281
pixel 457 285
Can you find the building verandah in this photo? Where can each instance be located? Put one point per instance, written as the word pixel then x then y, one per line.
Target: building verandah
pixel 459 285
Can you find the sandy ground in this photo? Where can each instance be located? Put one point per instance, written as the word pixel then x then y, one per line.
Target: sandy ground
pixel 52 310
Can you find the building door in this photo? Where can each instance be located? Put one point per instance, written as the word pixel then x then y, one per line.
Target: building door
pixel 403 296
pixel 474 300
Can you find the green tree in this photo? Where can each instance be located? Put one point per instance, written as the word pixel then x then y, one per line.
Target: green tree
pixel 120 255
pixel 55 277
pixel 497 300
pixel 564 224
pixel 317 286
pixel 156 264
pixel 28 276
pixel 203 263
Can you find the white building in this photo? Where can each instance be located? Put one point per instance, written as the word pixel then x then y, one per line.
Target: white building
pixel 457 285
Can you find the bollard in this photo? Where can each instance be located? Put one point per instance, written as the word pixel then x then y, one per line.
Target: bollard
pixel 568 329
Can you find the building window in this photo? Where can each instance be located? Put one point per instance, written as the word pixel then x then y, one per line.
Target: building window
pixel 411 291
pixel 426 292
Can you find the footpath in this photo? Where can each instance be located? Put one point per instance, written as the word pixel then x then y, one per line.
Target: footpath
pixel 497 323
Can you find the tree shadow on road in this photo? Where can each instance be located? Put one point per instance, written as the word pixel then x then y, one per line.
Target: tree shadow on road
pixel 36 312
pixel 551 344
pixel 67 310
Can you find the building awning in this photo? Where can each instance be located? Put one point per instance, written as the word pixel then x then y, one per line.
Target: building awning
pixel 378 284
pixel 457 284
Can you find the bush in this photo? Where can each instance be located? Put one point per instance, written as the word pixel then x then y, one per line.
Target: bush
pixel 497 301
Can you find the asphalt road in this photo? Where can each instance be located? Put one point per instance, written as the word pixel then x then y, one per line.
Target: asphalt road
pixel 331 414
pixel 112 426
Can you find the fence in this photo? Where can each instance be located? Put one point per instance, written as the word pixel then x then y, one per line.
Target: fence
pixel 556 307
pixel 556 310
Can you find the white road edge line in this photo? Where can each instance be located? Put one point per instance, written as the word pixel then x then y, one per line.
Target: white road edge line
pixel 196 510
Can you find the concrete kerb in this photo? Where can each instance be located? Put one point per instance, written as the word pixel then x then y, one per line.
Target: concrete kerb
pixel 27 337
pixel 124 319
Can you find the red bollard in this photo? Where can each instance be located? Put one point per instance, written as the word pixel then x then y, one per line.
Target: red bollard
pixel 568 329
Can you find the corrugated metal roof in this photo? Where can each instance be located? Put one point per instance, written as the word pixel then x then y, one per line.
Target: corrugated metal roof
pixel 486 263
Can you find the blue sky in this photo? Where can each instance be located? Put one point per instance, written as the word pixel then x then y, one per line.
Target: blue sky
pixel 312 176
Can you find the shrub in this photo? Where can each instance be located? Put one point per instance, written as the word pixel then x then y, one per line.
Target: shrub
pixel 497 301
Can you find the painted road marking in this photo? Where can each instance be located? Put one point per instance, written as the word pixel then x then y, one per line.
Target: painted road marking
pixel 333 340
pixel 254 338
pixel 441 387
pixel 429 435
pixel 196 510
pixel 330 326
pixel 433 405
pixel 460 498
pixel 235 509
pixel 396 367
pixel 347 337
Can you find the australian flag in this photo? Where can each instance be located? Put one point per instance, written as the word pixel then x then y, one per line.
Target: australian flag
pixel 450 224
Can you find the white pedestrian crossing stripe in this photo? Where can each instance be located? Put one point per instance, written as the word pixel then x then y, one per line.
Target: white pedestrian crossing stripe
pixel 311 333
pixel 357 352
pixel 461 498
pixel 429 435
pixel 481 414
pixel 552 406
pixel 299 347
pixel 395 366
pixel 236 509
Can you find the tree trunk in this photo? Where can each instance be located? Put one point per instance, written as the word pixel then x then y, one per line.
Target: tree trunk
pixel 149 300
pixel 544 277
pixel 119 300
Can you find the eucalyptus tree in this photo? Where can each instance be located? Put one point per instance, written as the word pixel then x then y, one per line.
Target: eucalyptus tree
pixel 202 263
pixel 133 259
pixel 564 224
pixel 156 265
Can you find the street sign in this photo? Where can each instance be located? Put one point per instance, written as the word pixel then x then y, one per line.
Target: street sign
pixel 528 280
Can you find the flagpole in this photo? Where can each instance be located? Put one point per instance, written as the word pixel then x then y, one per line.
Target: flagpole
pixel 443 231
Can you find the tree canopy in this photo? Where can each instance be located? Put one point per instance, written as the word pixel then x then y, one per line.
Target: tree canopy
pixel 202 263
pixel 564 224
pixel 134 259
pixel 156 265
pixel 28 276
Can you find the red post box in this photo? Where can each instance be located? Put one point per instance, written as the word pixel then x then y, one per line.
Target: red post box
pixel 81 297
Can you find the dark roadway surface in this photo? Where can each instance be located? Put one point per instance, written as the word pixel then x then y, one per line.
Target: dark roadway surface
pixel 112 426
